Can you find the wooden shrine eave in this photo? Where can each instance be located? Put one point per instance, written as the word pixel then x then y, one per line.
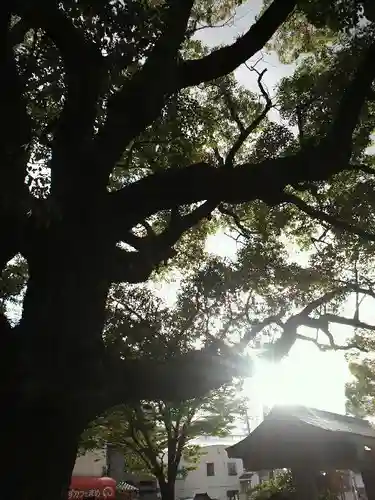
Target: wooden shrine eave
pixel 290 435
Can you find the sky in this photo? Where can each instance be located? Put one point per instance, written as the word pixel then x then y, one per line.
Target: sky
pixel 245 17
pixel 307 376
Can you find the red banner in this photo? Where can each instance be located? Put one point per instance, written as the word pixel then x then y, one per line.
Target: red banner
pixel 92 487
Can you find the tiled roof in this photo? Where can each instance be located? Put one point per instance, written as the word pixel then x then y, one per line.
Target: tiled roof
pixel 288 433
pixel 325 420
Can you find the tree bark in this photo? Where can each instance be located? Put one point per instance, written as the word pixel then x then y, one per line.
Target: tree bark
pixel 167 490
pixel 51 374
pixel 39 445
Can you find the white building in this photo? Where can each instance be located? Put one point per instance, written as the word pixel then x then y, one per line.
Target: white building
pixel 92 463
pixel 215 474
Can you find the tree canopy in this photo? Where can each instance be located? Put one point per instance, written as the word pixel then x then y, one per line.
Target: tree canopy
pixel 360 390
pixel 126 143
pixel 281 487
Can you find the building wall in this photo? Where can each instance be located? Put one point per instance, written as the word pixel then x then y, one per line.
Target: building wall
pixel 92 463
pixel 215 486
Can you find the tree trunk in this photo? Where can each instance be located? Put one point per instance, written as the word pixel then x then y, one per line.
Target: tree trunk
pixel 167 490
pixel 53 366
pixel 39 449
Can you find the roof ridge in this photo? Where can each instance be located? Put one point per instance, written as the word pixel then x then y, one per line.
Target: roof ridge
pixel 323 419
pixel 336 416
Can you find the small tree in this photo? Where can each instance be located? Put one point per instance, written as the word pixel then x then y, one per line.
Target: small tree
pixel 155 436
pixel 282 485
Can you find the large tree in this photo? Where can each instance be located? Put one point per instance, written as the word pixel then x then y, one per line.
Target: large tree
pixel 86 90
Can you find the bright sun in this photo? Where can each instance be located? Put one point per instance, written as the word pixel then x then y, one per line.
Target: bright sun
pixel 306 377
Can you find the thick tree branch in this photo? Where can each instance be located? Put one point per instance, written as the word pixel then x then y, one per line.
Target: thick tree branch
pixel 125 117
pixel 174 187
pixel 331 347
pixel 322 323
pixel 269 177
pixel 194 374
pixel 350 108
pixel 136 267
pixel 324 299
pixel 84 72
pixel 11 237
pixel 17 133
pixel 181 377
pixel 6 331
pixel 282 346
pixel 323 216
pixel 141 99
pixel 364 291
pixel 266 180
pixel 341 320
pixel 14 149
pixel 226 59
